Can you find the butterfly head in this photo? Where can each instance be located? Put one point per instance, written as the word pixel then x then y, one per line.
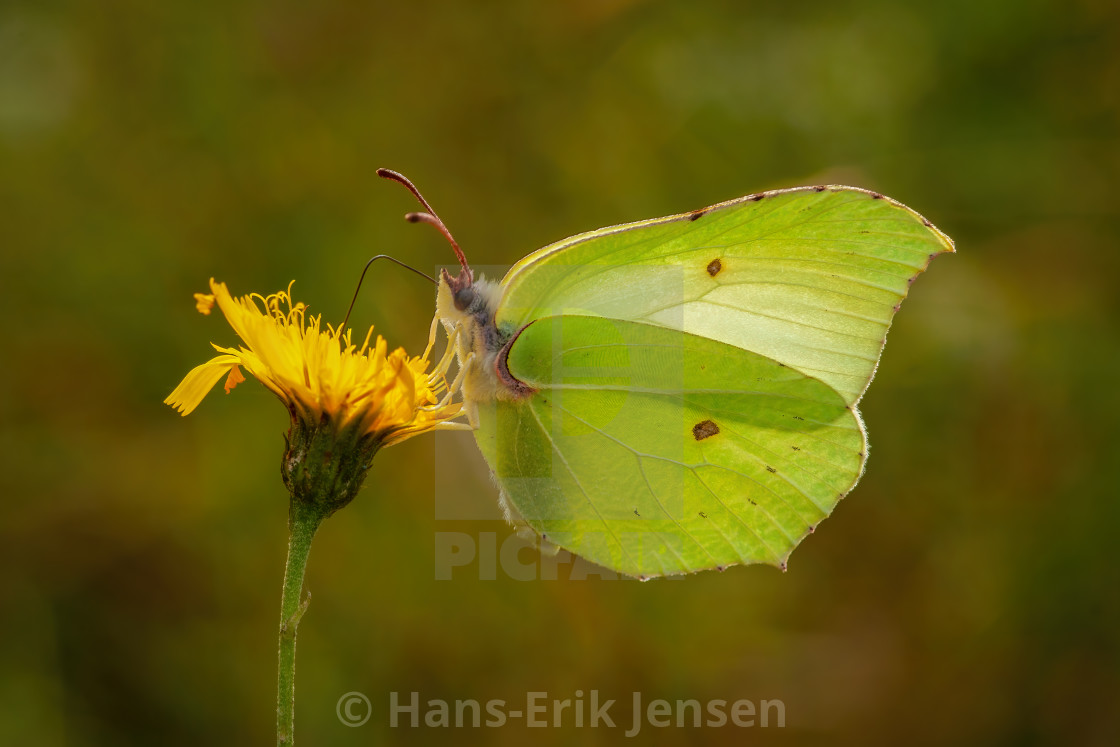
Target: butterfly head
pixel 461 297
pixel 461 287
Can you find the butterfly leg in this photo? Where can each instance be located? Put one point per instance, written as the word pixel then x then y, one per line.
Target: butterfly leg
pixel 432 337
pixel 448 355
pixel 470 407
pixel 452 389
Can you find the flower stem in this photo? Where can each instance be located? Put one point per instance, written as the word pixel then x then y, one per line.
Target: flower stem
pixel 303 520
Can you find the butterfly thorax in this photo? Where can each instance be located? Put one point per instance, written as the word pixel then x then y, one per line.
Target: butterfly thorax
pixel 479 342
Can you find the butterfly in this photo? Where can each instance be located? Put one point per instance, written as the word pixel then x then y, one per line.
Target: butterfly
pixel 680 394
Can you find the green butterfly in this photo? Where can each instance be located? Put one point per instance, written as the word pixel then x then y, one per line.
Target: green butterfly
pixel 680 394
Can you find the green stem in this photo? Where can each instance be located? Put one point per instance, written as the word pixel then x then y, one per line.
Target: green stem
pixel 303 520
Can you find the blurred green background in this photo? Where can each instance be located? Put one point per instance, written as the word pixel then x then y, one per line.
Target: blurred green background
pixel 966 592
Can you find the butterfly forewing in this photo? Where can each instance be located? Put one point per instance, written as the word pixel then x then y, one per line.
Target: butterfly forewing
pixel 808 277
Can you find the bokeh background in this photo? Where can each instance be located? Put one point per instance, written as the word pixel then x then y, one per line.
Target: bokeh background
pixel 966 593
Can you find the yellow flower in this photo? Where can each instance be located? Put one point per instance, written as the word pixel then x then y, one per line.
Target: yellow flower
pixel 322 377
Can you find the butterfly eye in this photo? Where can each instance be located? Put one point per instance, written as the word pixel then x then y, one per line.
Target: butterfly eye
pixel 464 297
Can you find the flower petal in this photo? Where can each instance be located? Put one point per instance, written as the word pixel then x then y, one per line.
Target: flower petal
pixel 203 302
pixel 235 377
pixel 198 383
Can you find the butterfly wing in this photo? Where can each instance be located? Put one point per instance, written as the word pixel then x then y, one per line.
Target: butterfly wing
pixel 652 451
pixel 808 277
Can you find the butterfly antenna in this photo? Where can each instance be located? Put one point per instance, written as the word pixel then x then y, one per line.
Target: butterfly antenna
pixel 430 217
pixel 365 269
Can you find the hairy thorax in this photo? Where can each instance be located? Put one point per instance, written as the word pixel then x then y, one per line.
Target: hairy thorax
pixel 479 343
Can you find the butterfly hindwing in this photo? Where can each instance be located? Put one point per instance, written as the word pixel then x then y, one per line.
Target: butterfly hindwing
pixel 653 451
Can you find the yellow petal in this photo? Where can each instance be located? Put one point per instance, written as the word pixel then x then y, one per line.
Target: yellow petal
pixel 198 383
pixel 235 377
pixel 203 302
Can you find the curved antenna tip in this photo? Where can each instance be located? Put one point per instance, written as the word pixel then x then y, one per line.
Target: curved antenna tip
pixel 431 216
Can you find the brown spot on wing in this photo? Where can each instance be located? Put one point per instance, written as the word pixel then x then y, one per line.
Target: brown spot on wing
pixel 704 429
pixel 697 214
pixel 714 267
